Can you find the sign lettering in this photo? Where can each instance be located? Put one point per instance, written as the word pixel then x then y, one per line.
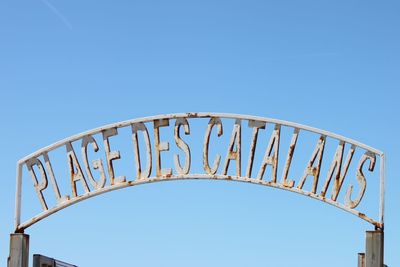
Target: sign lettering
pixel 95 173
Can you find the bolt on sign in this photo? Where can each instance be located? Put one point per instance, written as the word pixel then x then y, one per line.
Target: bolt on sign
pixel 321 165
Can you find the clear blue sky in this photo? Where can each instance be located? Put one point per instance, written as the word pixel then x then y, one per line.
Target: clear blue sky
pixel 70 66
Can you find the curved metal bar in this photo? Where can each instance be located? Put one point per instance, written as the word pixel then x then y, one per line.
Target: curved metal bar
pixel 199 115
pixel 47 213
pixel 20 227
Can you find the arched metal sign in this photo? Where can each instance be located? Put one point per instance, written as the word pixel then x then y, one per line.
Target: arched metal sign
pixel 279 154
pixel 90 175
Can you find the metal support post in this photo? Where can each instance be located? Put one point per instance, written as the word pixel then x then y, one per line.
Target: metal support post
pixel 19 250
pixel 361 259
pixel 374 249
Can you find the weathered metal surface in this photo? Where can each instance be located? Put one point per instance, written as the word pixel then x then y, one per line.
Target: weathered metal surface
pixel 19 250
pixel 271 155
pixel 135 128
pixel 43 261
pixel 213 121
pixel 182 145
pixel 97 163
pixel 337 166
pixel 311 170
pixel 234 153
pixel 160 147
pixel 293 142
pixel 106 180
pixel 361 180
pixel 256 125
pixel 374 249
pixel 361 260
pixel 382 189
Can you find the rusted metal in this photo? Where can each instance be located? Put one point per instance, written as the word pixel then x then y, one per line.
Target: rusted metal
pixel 382 190
pixel 374 249
pixel 135 128
pixel 234 154
pixel 337 166
pixel 182 145
pixel 160 146
pixel 312 170
pixel 82 176
pixel 361 180
pixel 256 125
pixel 39 187
pixel 271 154
pixel 194 177
pixel 361 260
pixel 75 171
pixel 292 146
pixel 213 121
pixel 111 155
pixel 97 163
pixel 19 250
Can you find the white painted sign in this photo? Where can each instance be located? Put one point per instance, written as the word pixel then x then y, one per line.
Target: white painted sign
pixel 253 152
